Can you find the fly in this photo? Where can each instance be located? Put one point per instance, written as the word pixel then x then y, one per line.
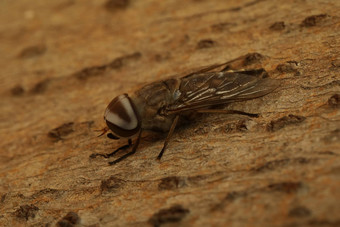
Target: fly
pixel 159 106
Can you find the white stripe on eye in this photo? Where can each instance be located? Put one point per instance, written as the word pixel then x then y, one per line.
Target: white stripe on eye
pixel 117 120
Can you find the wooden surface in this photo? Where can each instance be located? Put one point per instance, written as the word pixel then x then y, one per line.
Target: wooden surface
pixel 63 61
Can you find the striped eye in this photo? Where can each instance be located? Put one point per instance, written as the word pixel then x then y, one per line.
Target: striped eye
pixel 122 117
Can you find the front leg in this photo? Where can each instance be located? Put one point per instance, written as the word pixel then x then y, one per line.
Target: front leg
pixel 130 153
pixel 108 155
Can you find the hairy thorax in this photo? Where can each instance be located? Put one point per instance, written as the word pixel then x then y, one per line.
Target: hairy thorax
pixel 152 99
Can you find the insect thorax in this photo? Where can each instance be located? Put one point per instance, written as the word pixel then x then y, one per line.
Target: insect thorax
pixel 152 99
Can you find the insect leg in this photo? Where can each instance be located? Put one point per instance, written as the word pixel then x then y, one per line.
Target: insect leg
pixel 114 152
pixel 172 129
pixel 134 148
pixel 227 112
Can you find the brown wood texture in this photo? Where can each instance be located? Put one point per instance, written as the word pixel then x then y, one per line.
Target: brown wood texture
pixel 63 61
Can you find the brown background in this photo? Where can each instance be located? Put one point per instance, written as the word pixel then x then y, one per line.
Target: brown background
pixel 63 61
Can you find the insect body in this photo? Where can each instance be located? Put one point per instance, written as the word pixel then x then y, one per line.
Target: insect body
pixel 159 105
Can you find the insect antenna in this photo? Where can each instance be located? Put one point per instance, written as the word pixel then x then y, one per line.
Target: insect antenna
pixel 103 131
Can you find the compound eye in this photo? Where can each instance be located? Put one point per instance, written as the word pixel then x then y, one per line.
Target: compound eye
pixel 122 117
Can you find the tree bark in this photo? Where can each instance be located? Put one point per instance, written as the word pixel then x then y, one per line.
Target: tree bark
pixel 63 61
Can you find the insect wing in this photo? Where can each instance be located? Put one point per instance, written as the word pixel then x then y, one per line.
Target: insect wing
pixel 214 88
pixel 233 64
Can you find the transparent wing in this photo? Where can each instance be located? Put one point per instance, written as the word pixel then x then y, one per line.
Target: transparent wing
pixel 202 90
pixel 235 63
